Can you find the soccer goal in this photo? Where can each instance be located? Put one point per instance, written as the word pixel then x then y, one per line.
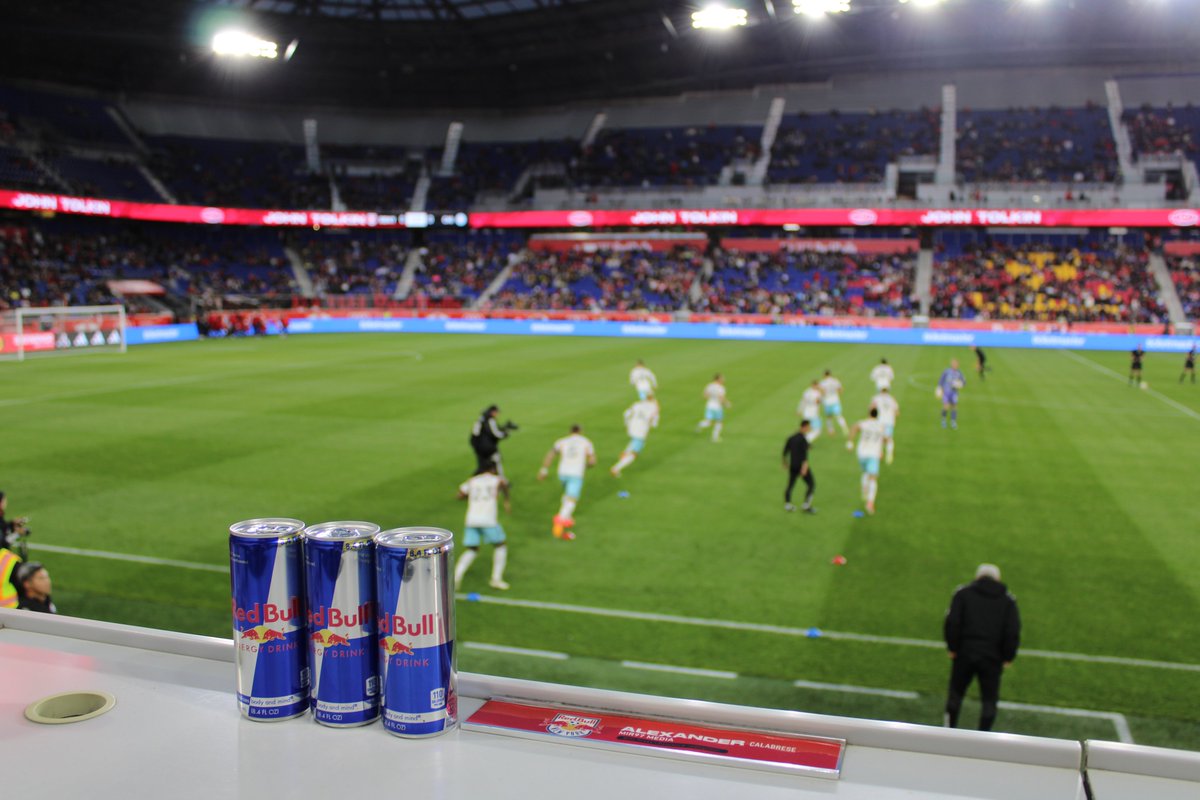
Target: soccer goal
pixel 61 330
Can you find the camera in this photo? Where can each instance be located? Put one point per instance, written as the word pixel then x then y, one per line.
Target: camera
pixel 510 426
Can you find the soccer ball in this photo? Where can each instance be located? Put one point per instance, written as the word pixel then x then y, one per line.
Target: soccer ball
pixel 1145 385
pixel 957 384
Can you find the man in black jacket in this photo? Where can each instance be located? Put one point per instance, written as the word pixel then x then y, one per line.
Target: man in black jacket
pixel 983 632
pixel 486 434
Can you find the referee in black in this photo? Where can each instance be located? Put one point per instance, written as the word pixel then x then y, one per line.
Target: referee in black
pixel 982 632
pixel 980 361
pixel 795 461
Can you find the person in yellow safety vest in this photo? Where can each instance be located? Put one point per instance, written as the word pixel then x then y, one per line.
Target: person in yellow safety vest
pixel 8 590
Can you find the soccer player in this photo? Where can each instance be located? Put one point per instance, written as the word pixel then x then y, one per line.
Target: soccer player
pixel 1189 366
pixel 795 461
pixel 831 400
pixel 480 492
pixel 575 455
pixel 870 448
pixel 883 375
pixel 1135 366
pixel 810 409
pixel 715 404
pixel 889 412
pixel 980 361
pixel 948 385
pixel 639 419
pixel 642 379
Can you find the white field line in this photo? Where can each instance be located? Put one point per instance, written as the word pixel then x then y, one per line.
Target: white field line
pixel 647 616
pixel 805 632
pixel 515 651
pixel 848 689
pixel 158 562
pixel 1125 379
pixel 703 673
pixel 1118 720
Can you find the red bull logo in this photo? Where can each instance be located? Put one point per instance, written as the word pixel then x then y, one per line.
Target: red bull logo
pixel 393 646
pixel 396 624
pixel 323 617
pixel 329 639
pixel 401 654
pixel 268 612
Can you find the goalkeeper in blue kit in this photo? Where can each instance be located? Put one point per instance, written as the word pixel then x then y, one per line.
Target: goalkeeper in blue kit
pixel 947 390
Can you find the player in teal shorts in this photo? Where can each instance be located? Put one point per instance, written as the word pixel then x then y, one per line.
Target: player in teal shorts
pixel 481 492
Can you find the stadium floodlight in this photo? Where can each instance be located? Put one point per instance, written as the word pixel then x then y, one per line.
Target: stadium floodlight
pixel 922 3
pixel 819 8
pixel 242 44
pixel 719 17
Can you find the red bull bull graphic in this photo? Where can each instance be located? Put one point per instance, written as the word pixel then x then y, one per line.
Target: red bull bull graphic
pixel 415 586
pixel 339 564
pixel 267 609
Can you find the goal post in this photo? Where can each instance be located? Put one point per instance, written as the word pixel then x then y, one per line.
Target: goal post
pixel 61 330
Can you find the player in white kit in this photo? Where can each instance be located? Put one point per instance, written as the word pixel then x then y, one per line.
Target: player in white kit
pixel 639 419
pixel 870 449
pixel 575 455
pixel 831 400
pixel 643 380
pixel 810 409
pixel 481 491
pixel 889 412
pixel 715 404
pixel 883 375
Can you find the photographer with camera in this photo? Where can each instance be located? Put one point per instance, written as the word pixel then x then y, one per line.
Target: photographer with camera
pixel 12 553
pixel 486 434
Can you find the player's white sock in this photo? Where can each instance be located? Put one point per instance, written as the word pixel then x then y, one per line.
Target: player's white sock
pixel 464 563
pixel 842 424
pixel 499 561
pixel 704 423
pixel 567 508
pixel 872 488
pixel 717 431
pixel 626 460
pixel 891 449
pixel 863 485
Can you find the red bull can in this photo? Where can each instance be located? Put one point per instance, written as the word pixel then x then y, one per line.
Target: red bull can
pixel 415 585
pixel 339 576
pixel 266 575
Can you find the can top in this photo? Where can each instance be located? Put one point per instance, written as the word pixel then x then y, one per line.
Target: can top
pixel 417 541
pixel 266 527
pixel 346 531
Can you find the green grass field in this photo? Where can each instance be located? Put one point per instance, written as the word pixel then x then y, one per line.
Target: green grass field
pixel 1081 488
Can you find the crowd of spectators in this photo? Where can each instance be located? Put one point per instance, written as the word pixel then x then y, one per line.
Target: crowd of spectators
pixel 345 263
pixel 810 283
pixel 1044 283
pixel 1165 131
pixel 849 147
pixel 647 157
pixel 455 271
pixel 218 172
pixel 1185 272
pixel 601 281
pixel 1037 145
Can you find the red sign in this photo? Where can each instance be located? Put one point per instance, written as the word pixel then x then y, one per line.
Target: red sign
pixel 729 746
pixel 615 242
pixel 162 212
pixel 851 246
pixel 846 217
pixel 12 342
pixel 1178 248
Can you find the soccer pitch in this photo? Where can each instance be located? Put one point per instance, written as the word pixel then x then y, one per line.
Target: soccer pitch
pixel 1078 486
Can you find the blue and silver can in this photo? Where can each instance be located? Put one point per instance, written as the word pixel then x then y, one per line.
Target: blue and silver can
pixel 266 576
pixel 415 586
pixel 339 573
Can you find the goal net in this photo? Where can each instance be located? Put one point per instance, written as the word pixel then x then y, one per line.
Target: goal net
pixel 61 330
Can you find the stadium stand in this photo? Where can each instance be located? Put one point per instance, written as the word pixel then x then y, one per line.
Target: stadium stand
pixel 690 156
pixel 1185 272
pixel 236 173
pixel 352 263
pixel 849 147
pixel 1057 278
pixel 821 284
pixel 458 268
pixel 1037 144
pixel 1170 130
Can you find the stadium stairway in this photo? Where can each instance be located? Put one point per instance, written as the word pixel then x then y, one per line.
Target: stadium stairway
pixel 30 152
pixel 496 285
pixel 413 261
pixel 303 279
pixel 770 131
pixel 1166 288
pixel 923 280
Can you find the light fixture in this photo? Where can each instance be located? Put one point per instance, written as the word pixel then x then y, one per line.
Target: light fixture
pixel 718 17
pixel 819 8
pixel 242 44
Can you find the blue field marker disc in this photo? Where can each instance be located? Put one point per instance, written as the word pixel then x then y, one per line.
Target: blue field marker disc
pixel 624 495
pixel 813 633
pixel 858 515
pixel 473 597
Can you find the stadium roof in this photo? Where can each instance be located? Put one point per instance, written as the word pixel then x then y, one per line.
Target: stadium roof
pixel 520 53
